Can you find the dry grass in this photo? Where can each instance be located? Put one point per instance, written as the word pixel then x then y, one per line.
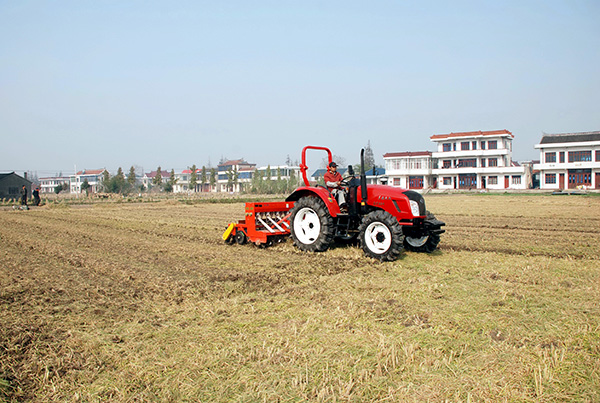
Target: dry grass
pixel 144 302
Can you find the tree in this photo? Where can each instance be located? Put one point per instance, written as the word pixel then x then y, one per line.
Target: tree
pixel 279 184
pixel 106 181
pixel 157 180
pixel 203 175
pixel 256 186
pixel 268 183
pixel 193 178
pixel 119 181
pixel 232 178
pixel 369 157
pixel 340 161
pixel 131 177
pixel 85 186
pixel 171 182
pixel 59 188
pixel 212 178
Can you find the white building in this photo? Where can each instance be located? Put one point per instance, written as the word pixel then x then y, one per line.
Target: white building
pixel 184 178
pixel 410 169
pixel 48 184
pixel 92 176
pixel 233 175
pixel 569 160
pixel 478 160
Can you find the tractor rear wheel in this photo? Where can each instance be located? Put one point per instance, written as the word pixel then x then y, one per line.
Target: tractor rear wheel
pixel 312 226
pixel 381 236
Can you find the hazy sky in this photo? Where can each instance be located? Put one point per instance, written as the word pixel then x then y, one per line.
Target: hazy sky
pixel 96 83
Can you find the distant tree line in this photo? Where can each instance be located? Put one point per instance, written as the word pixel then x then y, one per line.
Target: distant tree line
pixel 265 184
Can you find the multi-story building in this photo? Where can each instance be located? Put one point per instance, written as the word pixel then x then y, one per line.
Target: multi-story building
pixel 569 160
pixel 184 178
pixel 478 160
pixel 92 176
pixel 410 169
pixel 233 175
pixel 48 184
pixel 148 178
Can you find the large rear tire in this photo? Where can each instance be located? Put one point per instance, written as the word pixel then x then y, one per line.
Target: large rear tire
pixel 311 225
pixel 381 236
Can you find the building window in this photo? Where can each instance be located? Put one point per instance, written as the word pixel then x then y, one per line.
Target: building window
pixel 464 146
pixel 454 146
pixel 396 181
pixel 471 162
pixel 447 147
pixel 492 145
pixel 580 156
pixel 447 164
pixel 474 145
pixel 561 157
pixel 516 179
pixel 447 180
pixel 492 162
pixel 597 155
pixel 483 145
pixel 550 157
pixel 550 178
pixel 492 180
pixel 483 162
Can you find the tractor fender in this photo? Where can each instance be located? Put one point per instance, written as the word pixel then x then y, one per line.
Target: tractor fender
pixel 317 191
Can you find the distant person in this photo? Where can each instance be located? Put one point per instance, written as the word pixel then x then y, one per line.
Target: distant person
pixel 333 180
pixel 36 196
pixel 24 196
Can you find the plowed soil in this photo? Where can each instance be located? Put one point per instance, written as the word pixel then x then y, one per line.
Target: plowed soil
pixel 145 302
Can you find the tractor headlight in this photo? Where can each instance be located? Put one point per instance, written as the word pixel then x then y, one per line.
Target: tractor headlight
pixel 414 208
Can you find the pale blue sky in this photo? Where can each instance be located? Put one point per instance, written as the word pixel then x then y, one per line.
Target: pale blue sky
pixel 147 83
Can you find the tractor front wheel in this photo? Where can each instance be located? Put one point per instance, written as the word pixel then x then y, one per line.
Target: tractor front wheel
pixel 423 242
pixel 312 226
pixel 381 236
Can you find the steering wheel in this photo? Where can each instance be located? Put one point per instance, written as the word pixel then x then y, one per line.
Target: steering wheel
pixel 346 181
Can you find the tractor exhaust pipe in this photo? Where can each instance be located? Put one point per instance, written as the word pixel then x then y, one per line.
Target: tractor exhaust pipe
pixel 363 179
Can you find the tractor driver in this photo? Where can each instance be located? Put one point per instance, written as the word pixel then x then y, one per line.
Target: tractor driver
pixel 333 181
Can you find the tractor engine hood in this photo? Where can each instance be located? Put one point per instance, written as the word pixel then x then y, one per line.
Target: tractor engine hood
pixel 395 199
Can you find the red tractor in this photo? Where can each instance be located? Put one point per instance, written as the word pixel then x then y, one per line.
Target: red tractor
pixel 384 219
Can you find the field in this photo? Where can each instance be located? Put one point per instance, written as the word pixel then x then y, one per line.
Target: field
pixel 143 302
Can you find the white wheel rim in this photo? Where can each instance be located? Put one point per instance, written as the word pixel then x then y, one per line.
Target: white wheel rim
pixel 417 242
pixel 307 225
pixel 378 238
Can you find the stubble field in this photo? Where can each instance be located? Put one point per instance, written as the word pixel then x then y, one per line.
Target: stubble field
pixel 145 303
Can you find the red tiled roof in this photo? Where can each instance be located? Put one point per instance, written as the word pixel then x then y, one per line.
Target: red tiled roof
pixel 91 172
pixel 234 162
pixel 189 171
pixel 408 154
pixel 163 173
pixel 472 134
